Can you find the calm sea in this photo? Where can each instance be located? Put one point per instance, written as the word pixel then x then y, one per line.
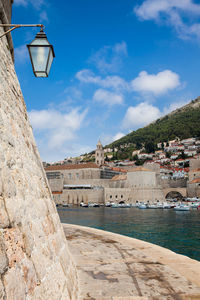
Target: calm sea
pixel 178 231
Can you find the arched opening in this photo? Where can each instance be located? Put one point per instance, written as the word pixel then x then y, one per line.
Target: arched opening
pixel 174 195
pixel 121 202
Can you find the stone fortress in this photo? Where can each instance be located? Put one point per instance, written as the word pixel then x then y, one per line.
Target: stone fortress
pixel 98 183
pixel 37 262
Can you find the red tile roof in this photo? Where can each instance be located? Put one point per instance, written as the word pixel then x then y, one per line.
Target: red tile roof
pixel 71 167
pixel 196 170
pixel 197 180
pixel 118 170
pixel 119 177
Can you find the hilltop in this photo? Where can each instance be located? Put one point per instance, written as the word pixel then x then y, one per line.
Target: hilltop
pixel 183 123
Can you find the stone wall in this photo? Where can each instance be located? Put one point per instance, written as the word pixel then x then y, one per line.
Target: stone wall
pixel 7 6
pixel 75 197
pixel 142 179
pixel 35 262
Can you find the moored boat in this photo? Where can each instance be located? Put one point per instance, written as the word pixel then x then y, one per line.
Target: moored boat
pixel 152 206
pixel 182 207
pixel 142 206
pixel 82 204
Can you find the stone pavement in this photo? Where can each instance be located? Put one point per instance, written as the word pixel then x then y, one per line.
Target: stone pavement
pixel 115 267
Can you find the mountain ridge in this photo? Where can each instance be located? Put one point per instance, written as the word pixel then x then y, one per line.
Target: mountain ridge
pixel 183 122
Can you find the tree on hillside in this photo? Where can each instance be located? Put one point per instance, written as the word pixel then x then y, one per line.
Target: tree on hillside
pixel 150 147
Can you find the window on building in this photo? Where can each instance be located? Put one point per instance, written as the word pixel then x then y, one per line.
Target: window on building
pixel 70 175
pixel 97 154
pixel 121 196
pixel 110 196
pixel 116 196
pixel 77 175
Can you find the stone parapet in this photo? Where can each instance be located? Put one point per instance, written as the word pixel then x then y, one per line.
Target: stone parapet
pixel 115 267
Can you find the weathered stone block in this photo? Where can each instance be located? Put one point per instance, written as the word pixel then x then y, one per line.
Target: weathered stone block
pixel 3 256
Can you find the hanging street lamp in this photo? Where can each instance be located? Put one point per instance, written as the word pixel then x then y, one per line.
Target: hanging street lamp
pixel 40 50
pixel 41 54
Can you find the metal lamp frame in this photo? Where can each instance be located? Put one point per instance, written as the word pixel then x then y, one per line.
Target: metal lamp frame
pixel 15 26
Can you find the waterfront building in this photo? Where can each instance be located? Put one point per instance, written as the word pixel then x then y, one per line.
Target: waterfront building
pixel 73 184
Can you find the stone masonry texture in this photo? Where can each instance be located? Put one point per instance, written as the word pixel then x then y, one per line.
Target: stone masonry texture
pixel 35 262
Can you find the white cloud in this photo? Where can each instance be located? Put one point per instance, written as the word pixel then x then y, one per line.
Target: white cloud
pixel 145 113
pixel 157 84
pixel 118 136
pixel 177 13
pixel 43 17
pixel 37 4
pixel 55 130
pixel 107 97
pixel 109 58
pixel 21 54
pixel 114 82
pixel 140 115
pixel 21 2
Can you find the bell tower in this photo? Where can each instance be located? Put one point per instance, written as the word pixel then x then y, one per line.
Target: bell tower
pixel 99 154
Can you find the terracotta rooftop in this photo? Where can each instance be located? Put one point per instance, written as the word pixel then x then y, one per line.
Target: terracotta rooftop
pixel 119 177
pixel 196 170
pixel 71 167
pixel 139 169
pixel 118 169
pixel 197 180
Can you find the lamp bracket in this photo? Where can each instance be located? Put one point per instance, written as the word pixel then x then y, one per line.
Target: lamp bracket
pixel 15 26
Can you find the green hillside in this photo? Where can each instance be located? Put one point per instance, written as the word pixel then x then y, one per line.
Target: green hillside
pixel 182 123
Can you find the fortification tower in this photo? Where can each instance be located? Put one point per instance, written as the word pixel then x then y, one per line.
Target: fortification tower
pixel 35 262
pixel 99 154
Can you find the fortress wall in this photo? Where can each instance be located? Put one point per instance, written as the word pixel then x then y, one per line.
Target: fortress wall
pixel 142 179
pixel 75 197
pixel 35 262
pixel 117 194
pixel 173 183
pixel 147 194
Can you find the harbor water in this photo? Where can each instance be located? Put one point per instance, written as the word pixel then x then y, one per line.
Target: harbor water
pixel 178 231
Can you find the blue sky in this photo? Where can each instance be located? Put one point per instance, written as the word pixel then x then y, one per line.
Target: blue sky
pixel 119 65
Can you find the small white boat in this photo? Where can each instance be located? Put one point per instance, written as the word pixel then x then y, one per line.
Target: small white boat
pixel 182 207
pixel 194 205
pixel 125 205
pixel 152 206
pixel 82 204
pixel 93 204
pixel 142 206
pixel 159 205
pixel 108 204
pixel 166 205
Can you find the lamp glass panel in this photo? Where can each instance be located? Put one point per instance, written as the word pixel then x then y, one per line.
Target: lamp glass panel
pixel 40 41
pixel 39 58
pixel 40 74
pixel 50 61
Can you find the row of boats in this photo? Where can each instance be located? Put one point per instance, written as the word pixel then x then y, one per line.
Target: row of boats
pixel 141 205
pixel 166 205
